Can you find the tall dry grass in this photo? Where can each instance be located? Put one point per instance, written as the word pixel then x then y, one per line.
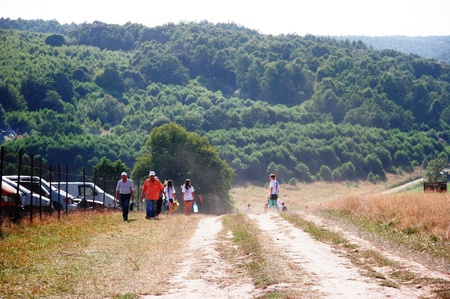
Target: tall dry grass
pixel 427 213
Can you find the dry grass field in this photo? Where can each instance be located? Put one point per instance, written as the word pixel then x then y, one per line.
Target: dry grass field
pixel 91 255
pixel 96 255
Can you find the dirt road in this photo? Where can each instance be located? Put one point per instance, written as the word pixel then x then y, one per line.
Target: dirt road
pixel 325 272
pixel 404 186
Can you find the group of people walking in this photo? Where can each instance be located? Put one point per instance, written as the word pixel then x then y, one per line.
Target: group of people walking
pixel 154 193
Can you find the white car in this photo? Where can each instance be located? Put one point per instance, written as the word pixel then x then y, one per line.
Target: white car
pixel 88 194
pixel 62 201
pixel 31 202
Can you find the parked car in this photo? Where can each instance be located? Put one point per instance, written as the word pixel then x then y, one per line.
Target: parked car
pixel 11 203
pixel 88 194
pixel 61 200
pixel 31 202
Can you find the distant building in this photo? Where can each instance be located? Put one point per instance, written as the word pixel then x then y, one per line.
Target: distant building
pixel 435 187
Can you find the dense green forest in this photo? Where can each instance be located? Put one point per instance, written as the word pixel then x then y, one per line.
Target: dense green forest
pixel 305 107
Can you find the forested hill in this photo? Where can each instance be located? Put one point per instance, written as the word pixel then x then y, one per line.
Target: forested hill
pixel 307 108
pixel 433 47
pixel 436 47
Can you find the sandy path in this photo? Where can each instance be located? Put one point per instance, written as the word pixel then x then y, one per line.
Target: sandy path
pixel 324 272
pixel 404 257
pixel 204 274
pixel 333 275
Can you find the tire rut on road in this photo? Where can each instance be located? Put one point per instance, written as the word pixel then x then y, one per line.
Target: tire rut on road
pixel 332 275
pixel 315 269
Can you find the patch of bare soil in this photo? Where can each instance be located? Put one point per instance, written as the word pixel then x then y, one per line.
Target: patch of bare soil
pixel 325 272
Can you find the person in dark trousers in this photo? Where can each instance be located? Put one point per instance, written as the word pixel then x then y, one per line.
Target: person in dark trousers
pixel 125 193
pixel 159 203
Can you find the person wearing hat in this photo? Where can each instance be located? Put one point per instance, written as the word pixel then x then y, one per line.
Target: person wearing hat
pixel 187 196
pixel 125 190
pixel 151 189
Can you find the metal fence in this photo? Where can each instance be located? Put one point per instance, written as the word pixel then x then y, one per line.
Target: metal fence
pixel 30 166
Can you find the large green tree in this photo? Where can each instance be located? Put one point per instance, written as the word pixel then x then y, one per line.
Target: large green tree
pixel 108 173
pixel 434 171
pixel 176 154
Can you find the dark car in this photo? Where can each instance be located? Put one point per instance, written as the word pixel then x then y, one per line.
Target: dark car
pixel 11 203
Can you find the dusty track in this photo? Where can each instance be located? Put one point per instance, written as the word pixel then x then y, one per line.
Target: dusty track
pixel 323 271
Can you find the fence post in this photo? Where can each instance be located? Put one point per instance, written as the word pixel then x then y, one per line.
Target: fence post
pixel 84 187
pixel 19 169
pixel 50 173
pixel 31 188
pixel 93 195
pixel 59 196
pixel 67 186
pixel 40 175
pixel 1 186
pixel 104 193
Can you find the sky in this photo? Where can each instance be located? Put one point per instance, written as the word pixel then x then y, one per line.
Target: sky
pixel 301 17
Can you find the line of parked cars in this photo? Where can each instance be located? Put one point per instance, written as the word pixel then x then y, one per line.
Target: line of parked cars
pixel 30 201
pixel 22 194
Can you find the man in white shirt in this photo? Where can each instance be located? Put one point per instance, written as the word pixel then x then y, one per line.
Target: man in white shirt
pixel 125 190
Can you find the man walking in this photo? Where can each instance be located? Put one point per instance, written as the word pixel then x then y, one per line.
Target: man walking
pixel 151 189
pixel 125 190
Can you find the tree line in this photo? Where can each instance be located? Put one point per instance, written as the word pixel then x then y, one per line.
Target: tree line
pixel 308 108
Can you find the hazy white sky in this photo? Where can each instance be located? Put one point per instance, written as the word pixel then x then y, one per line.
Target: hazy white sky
pixel 317 17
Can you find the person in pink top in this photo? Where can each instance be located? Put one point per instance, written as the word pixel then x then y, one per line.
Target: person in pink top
pixel 151 189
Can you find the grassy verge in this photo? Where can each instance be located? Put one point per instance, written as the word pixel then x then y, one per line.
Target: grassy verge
pixel 270 273
pixel 91 255
pixel 409 238
pixel 247 237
